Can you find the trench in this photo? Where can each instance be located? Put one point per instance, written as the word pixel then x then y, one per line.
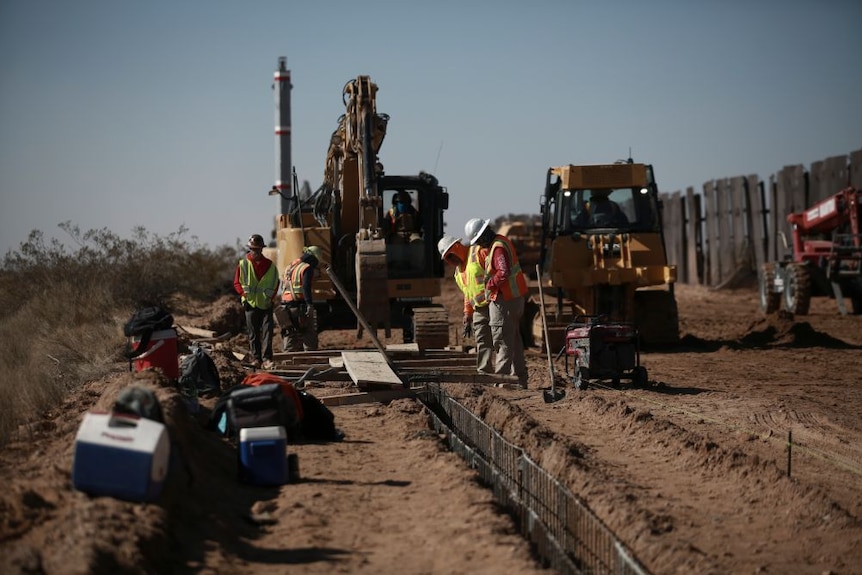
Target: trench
pixel 564 532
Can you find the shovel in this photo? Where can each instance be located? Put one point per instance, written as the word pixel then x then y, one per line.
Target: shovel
pixel 553 394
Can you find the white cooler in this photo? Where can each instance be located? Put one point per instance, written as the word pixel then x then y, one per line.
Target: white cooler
pixel 122 456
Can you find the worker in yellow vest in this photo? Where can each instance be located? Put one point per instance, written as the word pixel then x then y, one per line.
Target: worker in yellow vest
pixel 506 288
pixel 469 264
pixel 296 315
pixel 256 281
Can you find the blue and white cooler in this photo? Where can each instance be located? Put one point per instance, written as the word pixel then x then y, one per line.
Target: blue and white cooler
pixel 122 456
pixel 263 455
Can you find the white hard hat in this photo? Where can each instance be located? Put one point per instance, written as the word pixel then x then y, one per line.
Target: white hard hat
pixel 445 244
pixel 315 251
pixel 474 228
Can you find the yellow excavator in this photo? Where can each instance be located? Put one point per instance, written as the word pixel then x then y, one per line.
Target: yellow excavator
pixel 378 232
pixel 603 250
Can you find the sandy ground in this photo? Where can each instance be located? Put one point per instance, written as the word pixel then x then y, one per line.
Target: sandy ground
pixel 691 471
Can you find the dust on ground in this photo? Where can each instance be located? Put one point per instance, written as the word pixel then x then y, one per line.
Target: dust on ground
pixel 691 471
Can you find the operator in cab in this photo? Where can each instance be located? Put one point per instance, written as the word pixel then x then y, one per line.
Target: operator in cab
pixel 600 211
pixel 402 220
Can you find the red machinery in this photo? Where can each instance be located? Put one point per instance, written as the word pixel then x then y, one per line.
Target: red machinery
pixel 826 258
pixel 603 349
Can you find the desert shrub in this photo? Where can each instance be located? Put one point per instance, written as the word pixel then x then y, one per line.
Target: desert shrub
pixel 62 309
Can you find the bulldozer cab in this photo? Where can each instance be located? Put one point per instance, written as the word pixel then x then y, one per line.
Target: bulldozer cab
pixel 579 199
pixel 603 247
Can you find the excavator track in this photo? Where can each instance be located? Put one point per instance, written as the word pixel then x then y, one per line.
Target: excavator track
pixel 431 327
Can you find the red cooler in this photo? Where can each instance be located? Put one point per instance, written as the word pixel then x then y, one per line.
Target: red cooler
pixel 161 352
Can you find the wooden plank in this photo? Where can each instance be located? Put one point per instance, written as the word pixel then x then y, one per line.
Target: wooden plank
pixel 725 235
pixel 408 347
pixel 321 375
pixel 757 220
pixel 197 331
pixel 445 363
pixel 742 246
pixel 381 396
pixel 711 215
pixel 468 377
pixel 369 367
pixel 694 238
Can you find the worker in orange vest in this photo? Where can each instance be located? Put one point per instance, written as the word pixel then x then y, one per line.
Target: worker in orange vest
pixel 296 315
pixel 506 288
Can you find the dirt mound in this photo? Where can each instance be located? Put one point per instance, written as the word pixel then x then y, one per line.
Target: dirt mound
pixel 781 329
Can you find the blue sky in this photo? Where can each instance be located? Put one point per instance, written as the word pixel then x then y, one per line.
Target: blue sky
pixel 115 114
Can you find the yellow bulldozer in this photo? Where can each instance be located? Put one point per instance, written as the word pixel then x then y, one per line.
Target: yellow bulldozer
pixel 378 232
pixel 603 253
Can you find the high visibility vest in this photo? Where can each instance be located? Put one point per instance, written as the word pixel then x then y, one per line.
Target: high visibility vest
pixel 293 281
pixel 472 279
pixel 516 284
pixel 257 292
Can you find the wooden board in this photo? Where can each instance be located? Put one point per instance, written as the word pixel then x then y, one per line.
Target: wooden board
pixel 369 367
pixel 382 396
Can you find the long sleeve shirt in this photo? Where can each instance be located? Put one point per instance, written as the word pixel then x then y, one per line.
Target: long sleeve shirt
pixel 501 266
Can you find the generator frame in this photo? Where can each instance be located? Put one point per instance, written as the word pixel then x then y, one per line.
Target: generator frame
pixel 603 350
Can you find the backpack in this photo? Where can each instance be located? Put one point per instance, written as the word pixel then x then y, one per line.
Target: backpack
pixel 142 324
pixel 140 401
pixel 318 422
pixel 198 373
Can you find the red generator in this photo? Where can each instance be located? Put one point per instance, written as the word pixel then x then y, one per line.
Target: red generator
pixel 603 350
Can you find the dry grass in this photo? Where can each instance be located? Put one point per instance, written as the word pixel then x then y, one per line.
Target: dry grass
pixel 62 311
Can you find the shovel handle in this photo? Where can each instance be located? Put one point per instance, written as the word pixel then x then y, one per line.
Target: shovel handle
pixel 545 328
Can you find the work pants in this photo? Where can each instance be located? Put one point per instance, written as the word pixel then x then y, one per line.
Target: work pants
pixel 300 332
pixel 484 339
pixel 505 317
pixel 260 327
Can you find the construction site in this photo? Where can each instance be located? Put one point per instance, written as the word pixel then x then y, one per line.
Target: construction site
pixel 683 413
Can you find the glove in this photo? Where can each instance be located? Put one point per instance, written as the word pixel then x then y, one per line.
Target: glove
pixel 468 327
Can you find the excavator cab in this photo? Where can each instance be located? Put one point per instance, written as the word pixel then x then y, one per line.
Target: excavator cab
pixel 413 224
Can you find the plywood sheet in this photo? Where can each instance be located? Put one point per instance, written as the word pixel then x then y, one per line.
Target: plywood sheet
pixel 368 367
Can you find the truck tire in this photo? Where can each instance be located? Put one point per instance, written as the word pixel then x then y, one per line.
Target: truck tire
pixel 797 289
pixel 770 300
pixel 856 297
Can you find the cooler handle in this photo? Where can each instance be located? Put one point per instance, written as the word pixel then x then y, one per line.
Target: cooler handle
pixel 150 351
